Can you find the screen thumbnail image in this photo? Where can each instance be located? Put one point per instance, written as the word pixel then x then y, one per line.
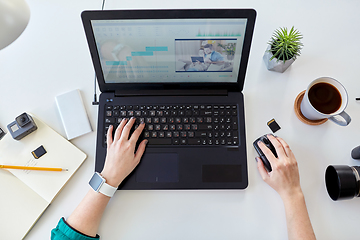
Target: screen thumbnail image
pixel 205 55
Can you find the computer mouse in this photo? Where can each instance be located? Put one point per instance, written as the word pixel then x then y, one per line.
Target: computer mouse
pixel 262 156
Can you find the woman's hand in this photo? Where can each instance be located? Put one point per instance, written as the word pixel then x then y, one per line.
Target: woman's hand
pixel 284 177
pixel 121 158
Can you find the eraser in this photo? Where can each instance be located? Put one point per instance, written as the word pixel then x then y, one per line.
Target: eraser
pixel 2 133
pixel 38 152
pixel 73 114
pixel 273 125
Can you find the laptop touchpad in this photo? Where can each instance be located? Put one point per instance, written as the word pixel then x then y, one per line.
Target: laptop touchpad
pixel 158 167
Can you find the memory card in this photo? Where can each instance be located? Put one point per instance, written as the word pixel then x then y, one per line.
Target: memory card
pixel 273 125
pixel 38 152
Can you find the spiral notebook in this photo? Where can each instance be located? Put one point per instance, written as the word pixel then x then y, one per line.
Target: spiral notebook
pixel 25 195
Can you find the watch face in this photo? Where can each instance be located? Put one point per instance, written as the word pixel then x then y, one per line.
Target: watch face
pixel 96 181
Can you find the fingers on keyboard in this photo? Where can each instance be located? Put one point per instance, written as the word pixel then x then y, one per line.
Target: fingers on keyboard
pixel 195 124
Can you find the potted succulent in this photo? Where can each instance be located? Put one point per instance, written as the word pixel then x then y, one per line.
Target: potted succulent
pixel 283 49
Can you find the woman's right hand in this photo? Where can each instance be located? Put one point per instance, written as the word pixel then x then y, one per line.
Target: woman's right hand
pixel 284 177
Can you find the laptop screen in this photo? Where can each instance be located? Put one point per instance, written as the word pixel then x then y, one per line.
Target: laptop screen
pixel 170 50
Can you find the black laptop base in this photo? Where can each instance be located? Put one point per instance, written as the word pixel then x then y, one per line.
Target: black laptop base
pixel 182 166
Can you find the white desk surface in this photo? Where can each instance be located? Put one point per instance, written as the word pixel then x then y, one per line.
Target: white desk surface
pixel 52 57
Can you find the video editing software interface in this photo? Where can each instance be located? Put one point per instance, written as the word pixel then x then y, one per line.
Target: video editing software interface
pixel 171 50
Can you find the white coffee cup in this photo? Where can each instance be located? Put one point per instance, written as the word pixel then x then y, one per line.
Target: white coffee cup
pixel 310 107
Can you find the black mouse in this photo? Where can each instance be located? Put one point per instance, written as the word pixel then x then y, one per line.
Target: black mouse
pixel 262 156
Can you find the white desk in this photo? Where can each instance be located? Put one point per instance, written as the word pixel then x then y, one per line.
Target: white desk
pixel 52 57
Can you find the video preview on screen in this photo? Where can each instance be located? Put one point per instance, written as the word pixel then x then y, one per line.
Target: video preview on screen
pixel 177 50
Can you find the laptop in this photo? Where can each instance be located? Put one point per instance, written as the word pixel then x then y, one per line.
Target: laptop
pixel 196 59
pixel 194 120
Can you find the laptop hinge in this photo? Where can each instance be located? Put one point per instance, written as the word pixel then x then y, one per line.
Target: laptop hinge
pixel 209 92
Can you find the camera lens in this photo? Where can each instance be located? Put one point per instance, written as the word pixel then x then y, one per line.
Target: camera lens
pixel 22 120
pixel 342 182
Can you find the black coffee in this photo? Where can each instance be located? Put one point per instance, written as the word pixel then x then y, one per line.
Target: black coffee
pixel 325 98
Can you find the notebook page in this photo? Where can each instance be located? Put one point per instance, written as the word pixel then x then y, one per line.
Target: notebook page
pixel 20 207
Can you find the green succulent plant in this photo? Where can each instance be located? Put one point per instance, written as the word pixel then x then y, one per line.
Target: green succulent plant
pixel 285 45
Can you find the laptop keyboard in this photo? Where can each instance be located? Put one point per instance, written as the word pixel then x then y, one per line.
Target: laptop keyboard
pixel 192 125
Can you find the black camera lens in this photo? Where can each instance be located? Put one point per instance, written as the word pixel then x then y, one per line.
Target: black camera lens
pixel 22 119
pixel 342 182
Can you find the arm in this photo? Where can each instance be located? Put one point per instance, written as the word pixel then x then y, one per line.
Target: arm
pixel 120 162
pixel 284 178
pixel 217 58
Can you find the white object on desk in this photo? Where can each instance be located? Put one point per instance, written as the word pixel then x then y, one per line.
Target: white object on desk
pixel 73 114
pixel 14 17
pixel 26 194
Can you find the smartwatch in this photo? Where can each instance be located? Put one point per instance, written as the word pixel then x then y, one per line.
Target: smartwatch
pixel 98 183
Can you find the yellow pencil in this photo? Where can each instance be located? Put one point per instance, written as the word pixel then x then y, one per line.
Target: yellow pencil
pixel 33 168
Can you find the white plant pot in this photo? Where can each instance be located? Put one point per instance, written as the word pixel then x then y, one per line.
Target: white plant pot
pixel 274 64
